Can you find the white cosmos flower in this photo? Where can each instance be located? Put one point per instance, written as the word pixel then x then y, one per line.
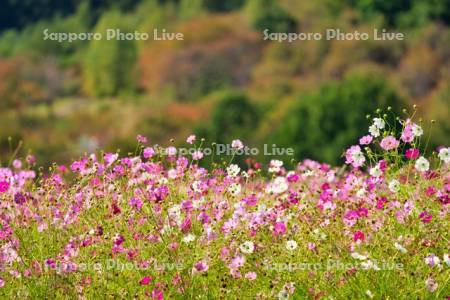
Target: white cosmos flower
pixel 356 255
pixel 233 170
pixel 374 131
pixel 394 185
pixel 422 164
pixel 275 166
pixel 417 130
pixel 400 248
pixel 278 186
pixel 444 155
pixel 369 294
pixel 291 245
pixel 376 171
pixel 189 238
pixel 234 189
pixel 247 247
pixel 379 123
pixel 446 259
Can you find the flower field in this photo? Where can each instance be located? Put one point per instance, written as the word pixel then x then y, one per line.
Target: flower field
pixel 157 225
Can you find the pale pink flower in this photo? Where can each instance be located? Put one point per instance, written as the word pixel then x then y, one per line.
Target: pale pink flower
pixel 389 143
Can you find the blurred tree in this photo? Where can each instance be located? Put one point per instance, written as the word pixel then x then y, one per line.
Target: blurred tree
pixel 109 64
pixel 320 125
pixel 221 6
pixel 405 13
pixel 234 116
pixel 267 14
pixel 20 13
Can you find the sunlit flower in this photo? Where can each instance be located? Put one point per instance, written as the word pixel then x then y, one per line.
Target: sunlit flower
pixel 247 247
pixel 354 156
pixel 275 166
pixel 278 186
pixel 191 139
pixel 233 170
pixel 394 185
pixel 444 155
pixel 389 143
pixel 189 238
pixel 234 189
pixel 422 164
pixel 374 131
pixel 291 245
pixel 237 144
pixel 400 247
pixel 379 123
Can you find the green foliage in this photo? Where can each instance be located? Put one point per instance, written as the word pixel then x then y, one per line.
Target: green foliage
pixel 267 14
pixel 405 13
pixel 109 64
pixel 321 124
pixel 233 117
pixel 221 6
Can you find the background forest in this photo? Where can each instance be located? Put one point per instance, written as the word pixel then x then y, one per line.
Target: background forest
pixel 223 81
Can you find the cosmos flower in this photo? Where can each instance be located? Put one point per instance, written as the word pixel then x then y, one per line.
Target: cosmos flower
pixel 291 245
pixel 354 156
pixel 247 247
pixel 444 155
pixel 366 140
pixel 394 185
pixel 237 144
pixel 389 143
pixel 4 186
pixel 412 153
pixel 191 139
pixel 422 164
pixel 233 170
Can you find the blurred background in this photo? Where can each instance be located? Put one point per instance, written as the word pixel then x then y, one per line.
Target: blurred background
pixel 223 81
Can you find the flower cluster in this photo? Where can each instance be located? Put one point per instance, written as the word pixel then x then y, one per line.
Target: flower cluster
pixel 184 230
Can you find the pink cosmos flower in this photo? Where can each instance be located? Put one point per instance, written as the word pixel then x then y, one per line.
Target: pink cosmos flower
pixel 4 186
pixel 201 266
pixel 17 164
pixel 359 236
pixel 157 294
pixel 412 153
pixel 145 280
pixel 186 225
pixel 366 140
pixel 148 152
pixel 141 139
pixel 31 159
pixel 389 143
pixel 354 156
pixel 171 151
pixel 197 155
pixel 425 217
pixel 237 144
pixel 2 283
pixel 191 139
pixel 279 228
pixel 250 276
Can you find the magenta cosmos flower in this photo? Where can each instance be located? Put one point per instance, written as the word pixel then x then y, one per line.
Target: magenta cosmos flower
pixel 145 280
pixel 389 143
pixel 4 186
pixel 279 228
pixel 412 153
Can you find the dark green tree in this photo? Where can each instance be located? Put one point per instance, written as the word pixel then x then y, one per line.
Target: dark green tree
pixel 233 117
pixel 320 125
pixel 268 14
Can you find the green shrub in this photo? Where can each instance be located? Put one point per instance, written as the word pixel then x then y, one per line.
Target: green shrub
pixel 267 14
pixel 320 124
pixel 109 64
